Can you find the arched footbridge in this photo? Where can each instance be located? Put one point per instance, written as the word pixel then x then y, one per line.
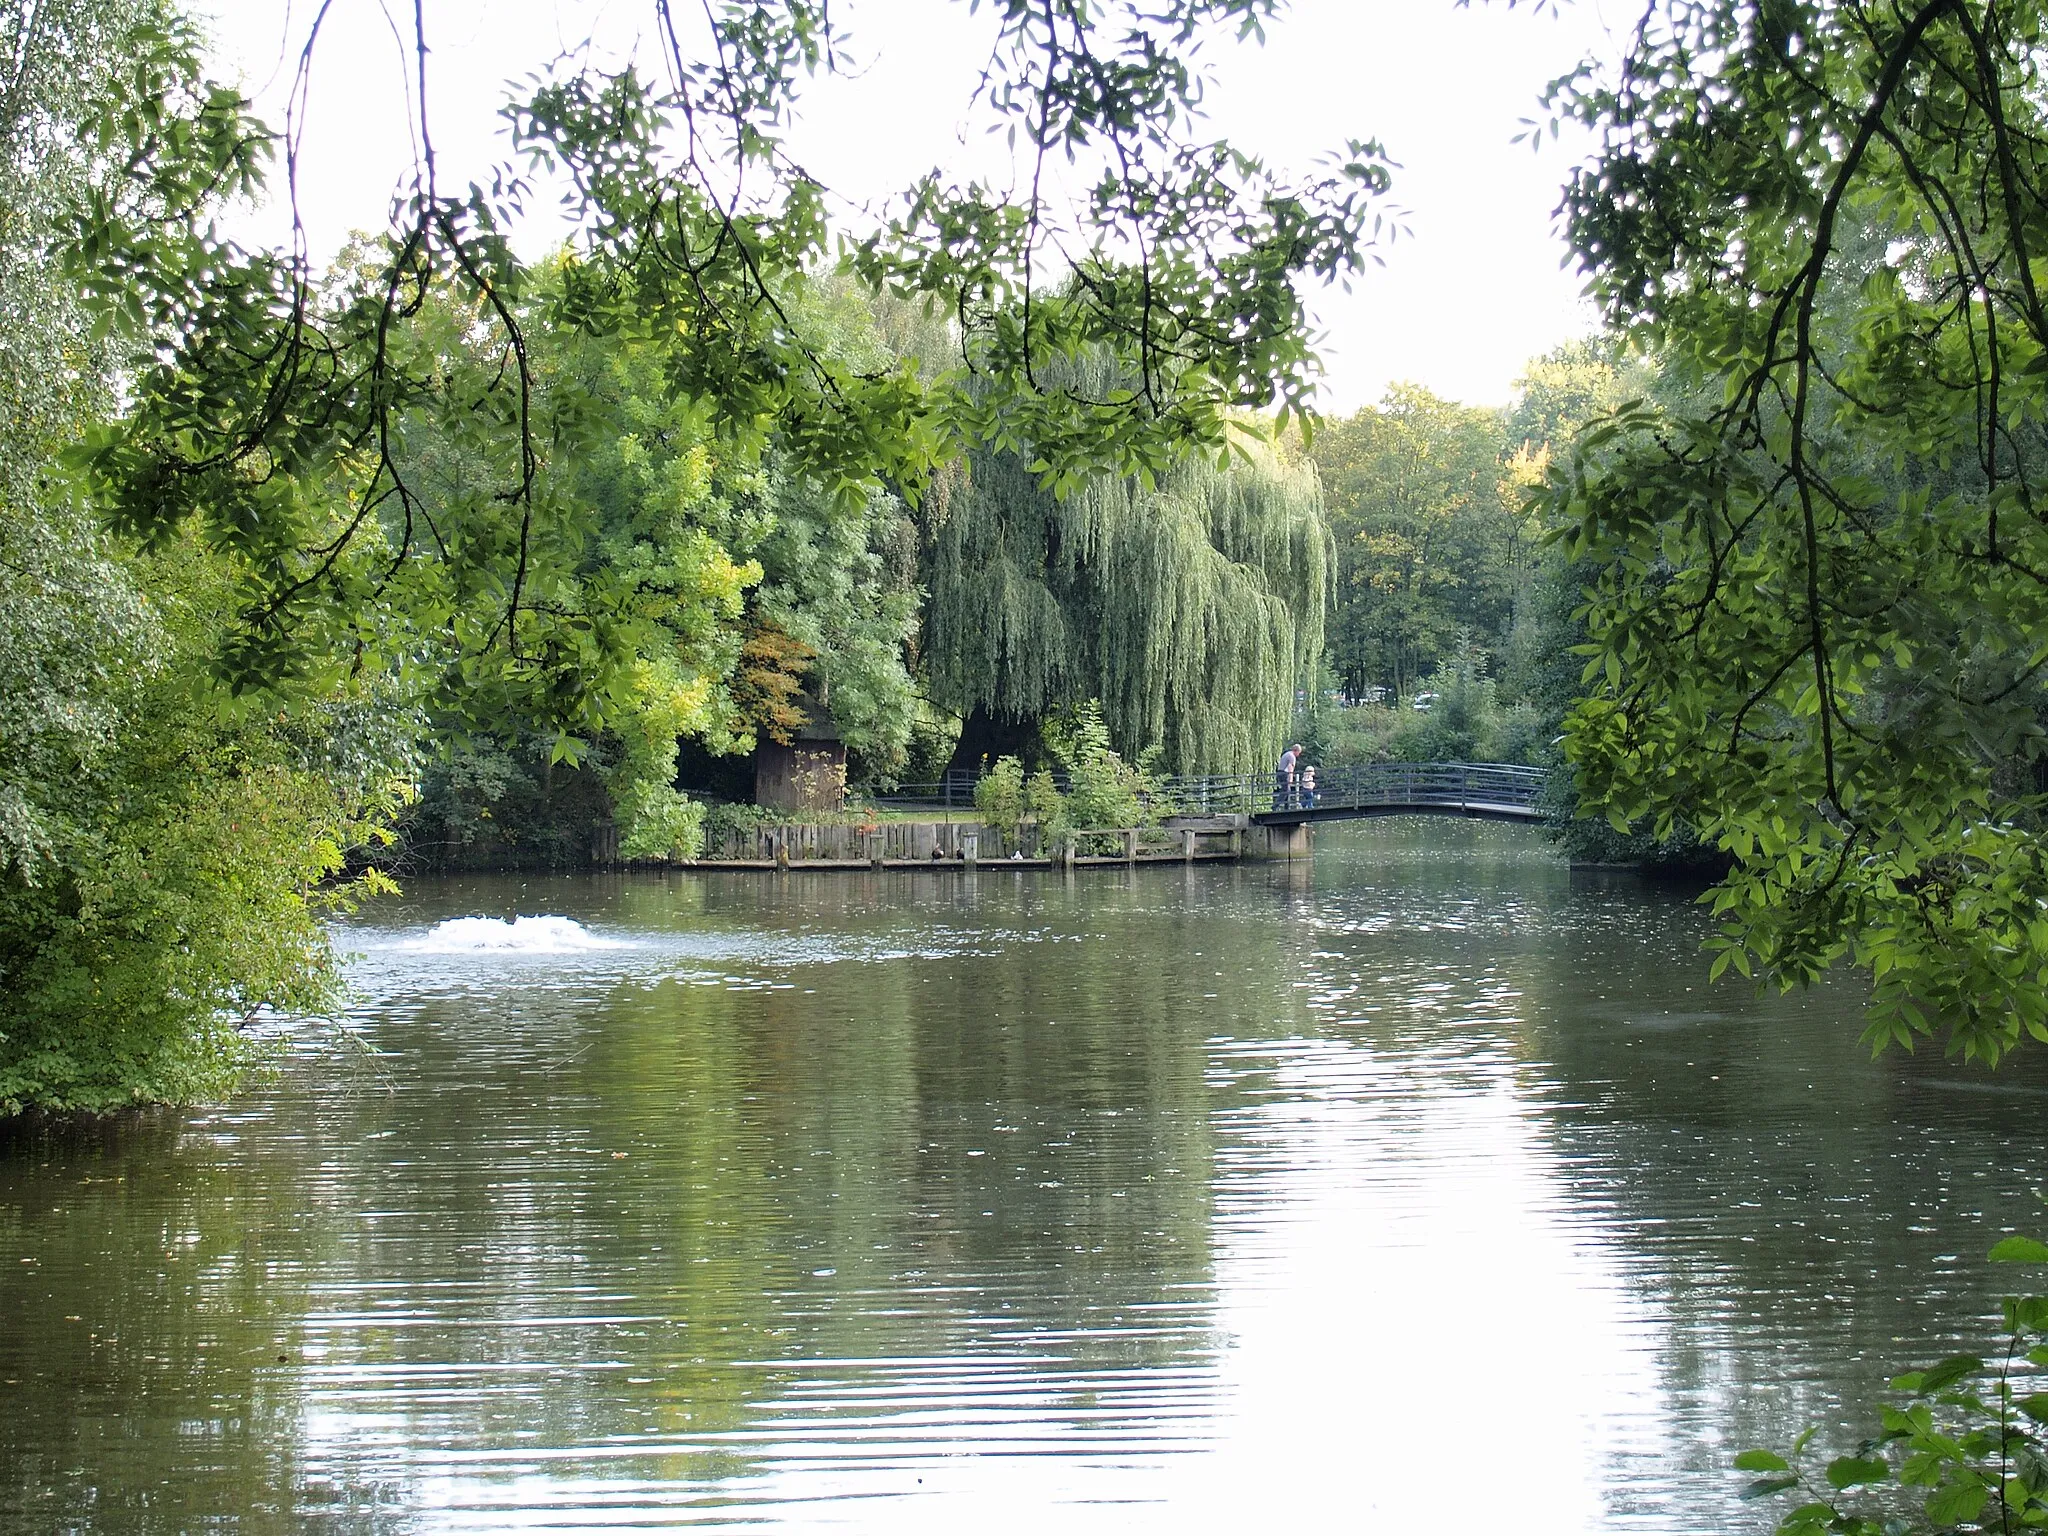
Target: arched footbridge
pixel 1495 791
pixel 1492 791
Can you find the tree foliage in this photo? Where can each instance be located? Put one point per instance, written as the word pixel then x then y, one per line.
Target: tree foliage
pixel 1819 609
pixel 1428 542
pixel 266 406
pixel 190 865
pixel 1103 790
pixel 1191 607
pixel 680 587
pixel 162 846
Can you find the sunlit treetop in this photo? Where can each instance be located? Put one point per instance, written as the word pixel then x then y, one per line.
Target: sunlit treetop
pixel 264 394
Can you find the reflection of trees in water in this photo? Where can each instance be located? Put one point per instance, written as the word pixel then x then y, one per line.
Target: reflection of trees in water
pixel 1810 1221
pixel 152 1355
pixel 992 1147
pixel 921 1157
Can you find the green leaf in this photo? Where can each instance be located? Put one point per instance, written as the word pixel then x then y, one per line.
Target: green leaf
pixel 2020 1250
pixel 1953 1503
pixel 1762 1461
pixel 1944 1374
pixel 1853 1471
pixel 1764 1487
pixel 2030 1313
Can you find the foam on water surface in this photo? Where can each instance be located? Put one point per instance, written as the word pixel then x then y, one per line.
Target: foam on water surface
pixel 521 936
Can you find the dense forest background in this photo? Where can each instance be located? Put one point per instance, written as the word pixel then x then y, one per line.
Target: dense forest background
pixel 1382 585
pixel 1381 588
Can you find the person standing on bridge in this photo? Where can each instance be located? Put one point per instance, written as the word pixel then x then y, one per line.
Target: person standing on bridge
pixel 1283 778
pixel 1308 787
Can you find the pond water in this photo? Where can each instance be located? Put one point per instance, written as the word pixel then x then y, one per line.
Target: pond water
pixel 1424 1185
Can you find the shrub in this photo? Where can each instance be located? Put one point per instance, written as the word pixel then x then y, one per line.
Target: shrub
pixel 1465 723
pixel 1043 802
pixel 736 816
pixel 187 864
pixel 659 823
pixel 999 796
pixel 1102 789
pixel 1517 737
pixel 1346 737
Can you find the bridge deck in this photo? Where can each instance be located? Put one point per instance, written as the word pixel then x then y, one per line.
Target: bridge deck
pixel 1479 809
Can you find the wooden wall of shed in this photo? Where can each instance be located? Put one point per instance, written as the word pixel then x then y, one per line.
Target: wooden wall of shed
pixel 809 776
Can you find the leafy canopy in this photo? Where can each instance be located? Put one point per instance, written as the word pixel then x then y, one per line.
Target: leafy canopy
pixel 267 406
pixel 1190 610
pixel 1817 610
pixel 165 849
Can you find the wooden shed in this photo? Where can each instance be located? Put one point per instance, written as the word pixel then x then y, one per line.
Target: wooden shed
pixel 807 775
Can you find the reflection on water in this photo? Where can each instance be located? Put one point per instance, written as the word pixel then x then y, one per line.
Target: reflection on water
pixel 1216 1199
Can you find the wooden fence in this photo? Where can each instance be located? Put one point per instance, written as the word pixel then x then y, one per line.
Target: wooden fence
pixel 939 843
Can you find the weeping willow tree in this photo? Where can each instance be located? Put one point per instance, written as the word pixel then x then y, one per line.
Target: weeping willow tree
pixel 1193 609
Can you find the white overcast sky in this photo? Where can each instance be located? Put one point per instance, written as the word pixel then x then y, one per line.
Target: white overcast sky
pixel 1466 296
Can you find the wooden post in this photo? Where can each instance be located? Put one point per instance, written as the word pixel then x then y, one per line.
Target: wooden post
pixel 1130 845
pixel 970 848
pixel 877 844
pixel 1187 844
pixel 1067 851
pixel 781 852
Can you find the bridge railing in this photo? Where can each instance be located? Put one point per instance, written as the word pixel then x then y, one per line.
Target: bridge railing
pixel 1360 787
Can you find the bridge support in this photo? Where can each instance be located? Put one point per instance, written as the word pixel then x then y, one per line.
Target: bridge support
pixel 1281 842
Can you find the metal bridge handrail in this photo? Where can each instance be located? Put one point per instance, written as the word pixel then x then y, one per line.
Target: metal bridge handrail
pixel 1359 786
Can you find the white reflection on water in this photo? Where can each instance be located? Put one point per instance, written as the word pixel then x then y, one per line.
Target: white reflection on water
pixel 1414 1309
